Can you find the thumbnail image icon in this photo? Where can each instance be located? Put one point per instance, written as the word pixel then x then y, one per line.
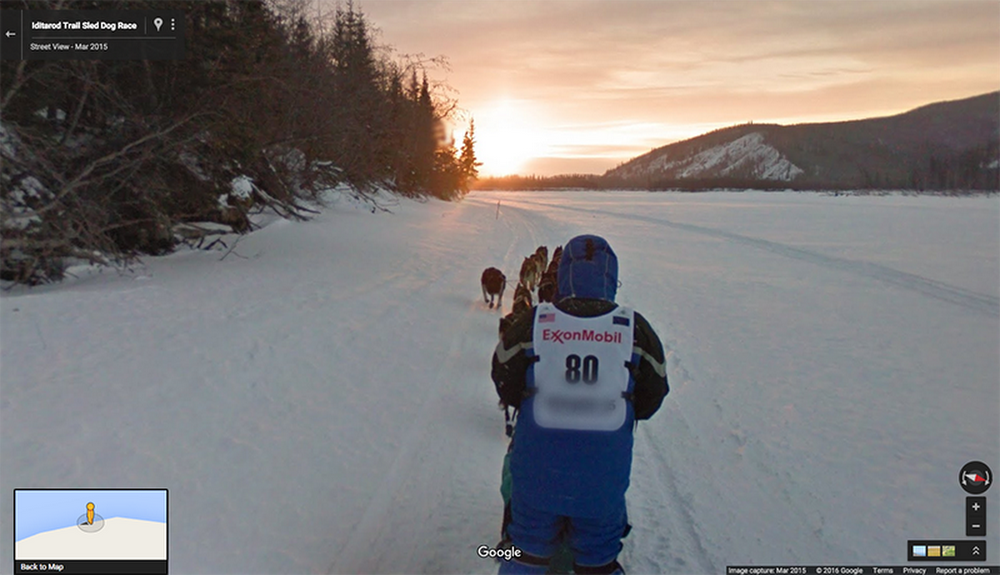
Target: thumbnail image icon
pixel 90 525
pixel 933 550
pixel 948 551
pixel 920 551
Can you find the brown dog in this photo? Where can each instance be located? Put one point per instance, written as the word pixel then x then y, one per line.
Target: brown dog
pixel 541 260
pixel 539 267
pixel 522 299
pixel 529 273
pixel 544 251
pixel 493 283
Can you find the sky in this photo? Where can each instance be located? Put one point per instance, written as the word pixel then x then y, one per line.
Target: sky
pixel 580 86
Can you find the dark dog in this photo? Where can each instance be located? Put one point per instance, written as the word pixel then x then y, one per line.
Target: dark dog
pixel 554 264
pixel 522 303
pixel 547 287
pixel 493 283
pixel 505 322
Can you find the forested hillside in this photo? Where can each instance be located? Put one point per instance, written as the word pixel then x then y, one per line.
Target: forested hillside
pixel 945 146
pixel 274 102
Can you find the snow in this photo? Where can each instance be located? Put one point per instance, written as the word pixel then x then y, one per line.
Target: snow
pixel 32 188
pixel 322 402
pixel 20 222
pixel 747 156
pixel 19 216
pixel 44 114
pixel 242 187
pixel 9 142
pixel 748 152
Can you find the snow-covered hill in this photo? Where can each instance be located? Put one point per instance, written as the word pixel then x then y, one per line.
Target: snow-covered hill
pixel 319 400
pixel 946 145
pixel 748 156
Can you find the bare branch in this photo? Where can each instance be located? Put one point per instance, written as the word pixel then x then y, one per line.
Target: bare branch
pixel 19 81
pixel 81 178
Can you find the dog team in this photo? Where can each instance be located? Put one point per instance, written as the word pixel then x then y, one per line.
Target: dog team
pixel 537 272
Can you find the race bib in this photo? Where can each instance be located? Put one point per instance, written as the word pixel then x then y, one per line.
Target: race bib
pixel 581 375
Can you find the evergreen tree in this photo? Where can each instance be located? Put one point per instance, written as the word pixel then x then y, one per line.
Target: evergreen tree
pixel 446 175
pixel 467 162
pixel 360 105
pixel 424 136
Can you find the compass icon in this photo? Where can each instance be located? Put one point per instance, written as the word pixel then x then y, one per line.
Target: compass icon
pixel 976 477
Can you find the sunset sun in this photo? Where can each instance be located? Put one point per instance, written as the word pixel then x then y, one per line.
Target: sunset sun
pixel 507 137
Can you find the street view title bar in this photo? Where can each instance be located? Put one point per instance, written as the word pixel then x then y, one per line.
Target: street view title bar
pixel 92 34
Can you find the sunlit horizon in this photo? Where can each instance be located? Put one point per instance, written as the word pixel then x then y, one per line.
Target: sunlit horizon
pixel 506 150
pixel 580 87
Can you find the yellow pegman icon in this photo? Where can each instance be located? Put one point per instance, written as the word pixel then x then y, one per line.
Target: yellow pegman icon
pixel 90 513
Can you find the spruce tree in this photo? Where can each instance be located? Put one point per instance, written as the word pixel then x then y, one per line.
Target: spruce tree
pixel 467 162
pixel 358 100
pixel 424 139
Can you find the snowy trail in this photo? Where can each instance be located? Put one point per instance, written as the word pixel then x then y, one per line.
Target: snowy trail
pixel 322 404
pixel 407 518
pixel 431 510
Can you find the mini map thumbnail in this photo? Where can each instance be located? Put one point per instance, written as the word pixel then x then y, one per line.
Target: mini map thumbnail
pixel 90 524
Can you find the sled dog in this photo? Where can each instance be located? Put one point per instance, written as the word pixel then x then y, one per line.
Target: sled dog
pixel 493 282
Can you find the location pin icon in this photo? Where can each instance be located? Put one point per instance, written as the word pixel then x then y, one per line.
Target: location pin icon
pixel 157 22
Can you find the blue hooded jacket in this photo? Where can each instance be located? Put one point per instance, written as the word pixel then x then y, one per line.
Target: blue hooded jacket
pixel 569 472
pixel 588 269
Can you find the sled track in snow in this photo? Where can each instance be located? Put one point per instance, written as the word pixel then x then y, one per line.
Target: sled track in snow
pixel 383 538
pixel 681 514
pixel 512 253
pixel 354 557
pixel 664 518
pixel 969 300
pixel 375 542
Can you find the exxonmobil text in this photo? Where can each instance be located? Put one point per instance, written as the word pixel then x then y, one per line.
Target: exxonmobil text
pixel 564 335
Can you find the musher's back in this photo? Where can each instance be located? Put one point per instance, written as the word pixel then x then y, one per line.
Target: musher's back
pixel 581 372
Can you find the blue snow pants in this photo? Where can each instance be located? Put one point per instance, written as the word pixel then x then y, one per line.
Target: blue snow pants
pixel 594 541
